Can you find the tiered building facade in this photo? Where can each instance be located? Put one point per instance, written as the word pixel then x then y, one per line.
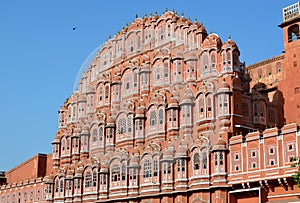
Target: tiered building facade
pixel 167 113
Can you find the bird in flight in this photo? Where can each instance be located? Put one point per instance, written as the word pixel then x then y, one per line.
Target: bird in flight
pixel 74 28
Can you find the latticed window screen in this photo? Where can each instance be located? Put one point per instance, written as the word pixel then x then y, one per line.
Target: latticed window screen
pixel 115 173
pixel 122 126
pixel 196 161
pixel 161 116
pixel 147 169
pixel 153 118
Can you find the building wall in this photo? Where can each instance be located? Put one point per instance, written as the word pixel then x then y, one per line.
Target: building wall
pixel 32 168
pixel 168 113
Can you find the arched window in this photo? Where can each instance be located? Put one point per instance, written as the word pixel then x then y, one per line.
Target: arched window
pixel 228 59
pixel 224 61
pixel 57 185
pixel 278 67
pixel 122 126
pixel 204 160
pixel 123 172
pixel 155 167
pixel 94 179
pixel 213 61
pixel 153 118
pixel 196 161
pixel 106 92
pixel 161 116
pixel 180 165
pixel 147 169
pixel 115 173
pixel 61 186
pixel 209 106
pixel 205 63
pixel 130 124
pixel 95 135
pixel 88 179
pixel 201 104
pixel 101 133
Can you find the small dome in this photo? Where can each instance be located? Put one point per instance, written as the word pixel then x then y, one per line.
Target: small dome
pixel 221 141
pixel 220 145
pixel 212 40
pixel 229 44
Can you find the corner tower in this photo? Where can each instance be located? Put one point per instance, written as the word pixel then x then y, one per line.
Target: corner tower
pixel 290 86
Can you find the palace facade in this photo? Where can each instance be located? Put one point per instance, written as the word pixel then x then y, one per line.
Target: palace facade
pixel 166 112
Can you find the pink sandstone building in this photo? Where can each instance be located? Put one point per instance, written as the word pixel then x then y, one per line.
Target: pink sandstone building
pixel 166 112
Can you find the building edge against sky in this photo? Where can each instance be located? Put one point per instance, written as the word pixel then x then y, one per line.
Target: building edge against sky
pixel 167 113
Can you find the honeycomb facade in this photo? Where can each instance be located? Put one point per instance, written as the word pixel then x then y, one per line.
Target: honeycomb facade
pixel 167 113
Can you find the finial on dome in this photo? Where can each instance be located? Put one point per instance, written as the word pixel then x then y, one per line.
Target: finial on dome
pixel 182 14
pixel 109 36
pixel 155 12
pixel 210 32
pixel 229 37
pixel 173 10
pixel 189 18
pixel 150 13
pixel 166 9
pixel 195 19
pixel 127 24
pixel 136 16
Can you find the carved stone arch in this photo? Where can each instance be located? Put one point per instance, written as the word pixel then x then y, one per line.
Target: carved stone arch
pixel 104 49
pixel 212 49
pixel 146 154
pixel 157 154
pixel 193 148
pixel 151 105
pixel 204 51
pixel 115 158
pixel 94 124
pixel 130 33
pixel 88 165
pixel 157 59
pixel 198 93
pixel 120 113
pixel 126 69
pixel 160 20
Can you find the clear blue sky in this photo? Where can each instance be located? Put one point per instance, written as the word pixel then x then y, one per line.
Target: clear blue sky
pixel 40 54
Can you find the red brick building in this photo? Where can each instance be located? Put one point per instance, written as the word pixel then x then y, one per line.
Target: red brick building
pixel 166 112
